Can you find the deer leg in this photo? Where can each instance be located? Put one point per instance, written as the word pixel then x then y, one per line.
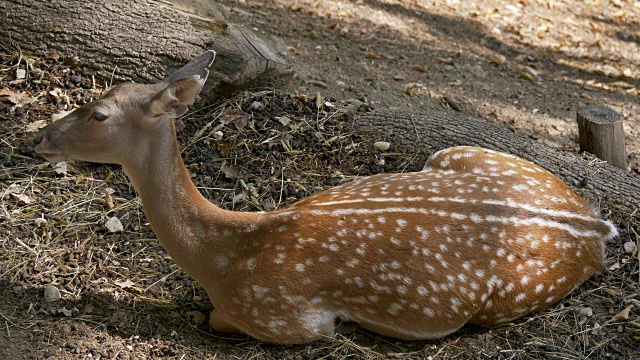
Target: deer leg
pixel 217 323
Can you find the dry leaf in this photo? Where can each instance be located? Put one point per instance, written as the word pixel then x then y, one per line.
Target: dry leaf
pixel 36 125
pixel 22 198
pixel 125 284
pixel 108 200
pixel 413 89
pixel 19 99
pixel 53 55
pixel 240 122
pixel 114 225
pixel 318 83
pixel 66 312
pixel 421 68
pixel 621 85
pixel 352 89
pixel 527 76
pixel 284 120
pixel 622 315
pixel 224 149
pixel 56 93
pixel 230 172
pixel 238 198
pixel 61 168
pixel 614 267
pixel 585 311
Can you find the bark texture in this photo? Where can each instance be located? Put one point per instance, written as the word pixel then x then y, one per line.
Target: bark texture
pixel 602 134
pixel 615 191
pixel 142 41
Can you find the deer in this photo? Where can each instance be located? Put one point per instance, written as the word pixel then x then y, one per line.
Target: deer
pixel 478 236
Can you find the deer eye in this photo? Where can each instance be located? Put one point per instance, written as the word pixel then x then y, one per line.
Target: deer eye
pixel 100 116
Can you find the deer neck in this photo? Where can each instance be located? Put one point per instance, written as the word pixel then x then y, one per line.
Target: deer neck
pixel 190 228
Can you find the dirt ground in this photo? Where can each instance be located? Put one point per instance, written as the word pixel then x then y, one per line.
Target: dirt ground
pixel 525 65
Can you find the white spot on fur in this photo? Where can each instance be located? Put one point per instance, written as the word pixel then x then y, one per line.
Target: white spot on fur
pixel 221 261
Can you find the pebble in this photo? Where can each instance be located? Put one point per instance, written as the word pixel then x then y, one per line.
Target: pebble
pixel 51 293
pixel 48 353
pixel 381 145
pixel 629 247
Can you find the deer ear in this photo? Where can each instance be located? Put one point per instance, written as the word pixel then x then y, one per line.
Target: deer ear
pixel 175 99
pixel 198 66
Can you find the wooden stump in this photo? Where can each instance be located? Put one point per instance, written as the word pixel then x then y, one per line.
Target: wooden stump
pixel 601 133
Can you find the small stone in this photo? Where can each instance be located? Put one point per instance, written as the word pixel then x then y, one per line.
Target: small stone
pixel 48 353
pixel 629 247
pixel 114 225
pixel 382 145
pixel 498 59
pixel 75 79
pixel 478 71
pixel 51 293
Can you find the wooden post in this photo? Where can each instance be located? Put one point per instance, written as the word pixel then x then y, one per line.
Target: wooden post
pixel 601 133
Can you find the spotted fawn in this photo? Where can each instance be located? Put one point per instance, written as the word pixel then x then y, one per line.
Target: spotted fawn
pixel 477 237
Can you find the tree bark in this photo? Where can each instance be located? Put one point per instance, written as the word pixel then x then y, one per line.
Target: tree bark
pixel 616 192
pixel 143 41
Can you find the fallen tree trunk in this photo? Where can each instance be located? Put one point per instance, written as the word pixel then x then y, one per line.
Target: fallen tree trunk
pixel 615 191
pixel 143 41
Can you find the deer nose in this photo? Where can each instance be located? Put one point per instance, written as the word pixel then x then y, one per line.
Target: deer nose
pixel 38 138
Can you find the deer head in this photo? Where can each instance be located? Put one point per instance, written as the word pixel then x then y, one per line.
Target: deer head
pixel 109 129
